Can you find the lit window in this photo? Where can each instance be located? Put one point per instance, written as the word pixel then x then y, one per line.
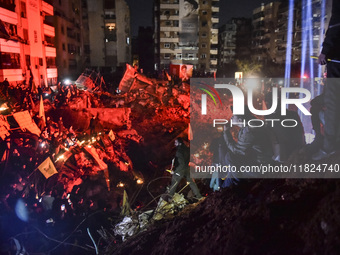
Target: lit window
pixel 111 26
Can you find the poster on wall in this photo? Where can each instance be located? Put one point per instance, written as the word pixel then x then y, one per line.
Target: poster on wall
pixel 188 23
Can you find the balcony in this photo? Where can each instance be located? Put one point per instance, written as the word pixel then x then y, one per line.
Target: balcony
pixel 50 51
pixel 9 46
pixel 170 51
pixel 51 72
pixel 214 20
pixel 169 39
pixel 213 51
pixel 49 30
pixel 169 29
pixel 213 61
pixel 169 6
pixel 215 9
pixel 169 17
pixel 48 43
pixel 47 7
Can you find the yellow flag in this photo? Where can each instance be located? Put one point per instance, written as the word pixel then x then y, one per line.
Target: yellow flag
pixel 41 109
pixel 112 135
pixel 126 206
pixel 47 168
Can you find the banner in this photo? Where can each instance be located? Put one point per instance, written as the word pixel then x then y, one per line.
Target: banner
pixel 185 72
pixel 4 127
pixel 188 23
pixel 47 168
pixel 26 123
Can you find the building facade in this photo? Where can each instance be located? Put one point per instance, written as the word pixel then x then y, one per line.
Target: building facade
pixel 186 32
pixel 27 42
pixel 270 30
pixel 89 34
pixel 263 35
pixel 72 37
pixel 234 40
pixel 109 33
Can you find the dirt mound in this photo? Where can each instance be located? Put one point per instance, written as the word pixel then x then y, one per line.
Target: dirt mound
pixel 255 217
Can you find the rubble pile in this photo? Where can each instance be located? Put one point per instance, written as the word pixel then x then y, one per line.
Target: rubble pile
pixel 255 217
pixel 80 151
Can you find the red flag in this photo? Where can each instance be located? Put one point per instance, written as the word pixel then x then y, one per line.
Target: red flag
pixel 190 134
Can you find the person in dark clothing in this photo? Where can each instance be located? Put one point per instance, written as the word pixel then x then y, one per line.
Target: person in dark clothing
pixel 93 124
pixel 331 50
pixel 251 147
pixel 284 141
pixel 218 149
pixel 5 84
pixel 182 169
pixel 317 107
pixel 61 125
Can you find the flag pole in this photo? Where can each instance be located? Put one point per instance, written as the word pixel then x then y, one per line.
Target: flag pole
pixel 32 172
pixel 328 59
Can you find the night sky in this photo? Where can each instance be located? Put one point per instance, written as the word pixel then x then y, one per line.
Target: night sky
pixel 141 11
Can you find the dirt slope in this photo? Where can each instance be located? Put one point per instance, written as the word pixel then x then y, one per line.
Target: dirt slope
pixel 256 217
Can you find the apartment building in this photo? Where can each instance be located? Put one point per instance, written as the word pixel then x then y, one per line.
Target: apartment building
pixel 27 42
pixel 186 32
pixel 234 40
pixel 72 37
pixel 109 33
pixel 270 30
pixel 263 35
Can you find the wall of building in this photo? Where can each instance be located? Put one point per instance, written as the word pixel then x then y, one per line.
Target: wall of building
pixel 70 22
pixel 123 33
pixel 181 39
pixel 25 50
pixel 96 32
pixel 109 33
pixel 269 34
